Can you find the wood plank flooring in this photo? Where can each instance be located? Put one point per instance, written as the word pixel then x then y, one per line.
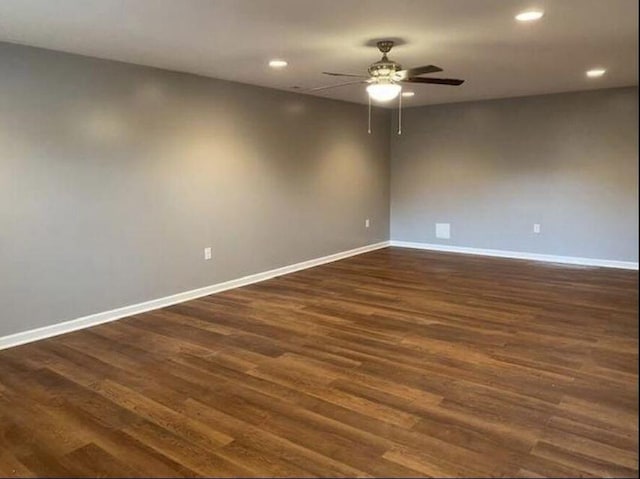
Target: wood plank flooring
pixel 395 363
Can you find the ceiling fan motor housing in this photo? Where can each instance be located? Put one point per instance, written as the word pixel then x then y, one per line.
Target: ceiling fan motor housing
pixel 384 68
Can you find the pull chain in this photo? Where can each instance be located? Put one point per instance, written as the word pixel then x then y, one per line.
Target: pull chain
pixel 369 128
pixel 400 115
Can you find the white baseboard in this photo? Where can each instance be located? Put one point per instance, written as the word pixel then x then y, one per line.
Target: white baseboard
pixel 106 316
pixel 606 263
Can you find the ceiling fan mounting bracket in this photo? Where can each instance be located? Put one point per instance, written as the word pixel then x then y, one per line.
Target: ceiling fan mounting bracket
pixel 385 46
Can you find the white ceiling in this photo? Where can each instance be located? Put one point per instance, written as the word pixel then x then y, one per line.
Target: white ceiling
pixel 477 40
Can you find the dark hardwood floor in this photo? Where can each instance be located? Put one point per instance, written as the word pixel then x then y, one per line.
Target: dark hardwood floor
pixel 393 363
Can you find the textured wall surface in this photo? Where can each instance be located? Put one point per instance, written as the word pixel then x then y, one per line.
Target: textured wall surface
pixel 493 169
pixel 115 177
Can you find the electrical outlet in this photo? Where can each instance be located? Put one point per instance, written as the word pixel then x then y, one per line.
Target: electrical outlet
pixel 207 253
pixel 536 228
pixel 443 230
pixel 366 223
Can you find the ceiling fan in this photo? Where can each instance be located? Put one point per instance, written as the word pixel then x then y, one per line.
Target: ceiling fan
pixel 386 75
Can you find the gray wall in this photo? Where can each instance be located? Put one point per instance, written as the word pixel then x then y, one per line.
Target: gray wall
pixel 114 177
pixel 494 168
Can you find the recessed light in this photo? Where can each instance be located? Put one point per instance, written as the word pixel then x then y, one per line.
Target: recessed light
pixel 596 72
pixel 408 93
pixel 529 16
pixel 278 63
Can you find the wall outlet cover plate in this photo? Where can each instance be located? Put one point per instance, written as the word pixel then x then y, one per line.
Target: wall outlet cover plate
pixel 443 230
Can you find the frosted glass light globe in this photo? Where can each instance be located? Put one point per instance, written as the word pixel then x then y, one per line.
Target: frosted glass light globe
pixel 383 91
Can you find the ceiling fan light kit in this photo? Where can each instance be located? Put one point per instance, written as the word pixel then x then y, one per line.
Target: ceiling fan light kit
pixel 385 78
pixel 384 92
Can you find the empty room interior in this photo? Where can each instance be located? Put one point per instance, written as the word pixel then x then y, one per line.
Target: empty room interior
pixel 318 238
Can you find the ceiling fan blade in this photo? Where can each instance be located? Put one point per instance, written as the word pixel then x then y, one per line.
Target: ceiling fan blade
pixel 344 75
pixel 417 71
pixel 435 81
pixel 320 88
